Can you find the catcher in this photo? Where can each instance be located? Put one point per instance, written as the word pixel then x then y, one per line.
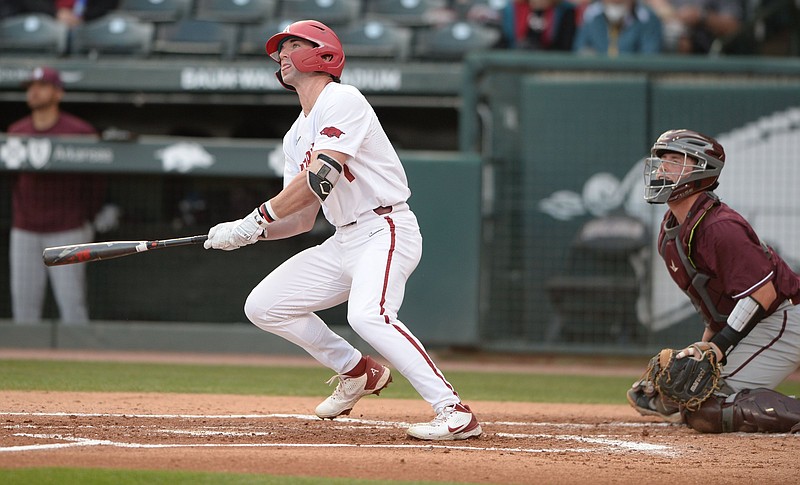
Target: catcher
pixel 745 292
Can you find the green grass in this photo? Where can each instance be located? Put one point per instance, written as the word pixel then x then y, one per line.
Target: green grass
pixel 181 378
pixel 270 380
pixel 292 381
pixel 44 375
pixel 61 476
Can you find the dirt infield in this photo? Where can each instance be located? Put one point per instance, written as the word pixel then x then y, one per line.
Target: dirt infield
pixel 523 443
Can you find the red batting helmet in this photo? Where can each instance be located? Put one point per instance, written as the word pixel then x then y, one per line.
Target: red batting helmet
pixel 326 56
pixel 709 157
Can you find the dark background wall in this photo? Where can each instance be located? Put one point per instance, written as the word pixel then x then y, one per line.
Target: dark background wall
pixel 507 168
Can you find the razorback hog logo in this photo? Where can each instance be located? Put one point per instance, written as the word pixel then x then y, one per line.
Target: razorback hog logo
pixel 331 131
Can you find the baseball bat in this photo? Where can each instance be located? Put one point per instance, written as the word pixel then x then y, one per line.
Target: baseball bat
pixel 83 253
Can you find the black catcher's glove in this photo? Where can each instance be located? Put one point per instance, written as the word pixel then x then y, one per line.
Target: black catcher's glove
pixel 690 380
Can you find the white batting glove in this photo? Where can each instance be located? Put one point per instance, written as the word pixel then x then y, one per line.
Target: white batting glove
pixel 249 229
pixel 236 234
pixel 219 236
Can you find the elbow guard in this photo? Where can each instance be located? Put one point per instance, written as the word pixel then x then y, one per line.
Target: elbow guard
pixel 745 315
pixel 323 180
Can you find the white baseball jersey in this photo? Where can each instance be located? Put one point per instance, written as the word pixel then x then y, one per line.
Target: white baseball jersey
pixel 366 264
pixel 343 120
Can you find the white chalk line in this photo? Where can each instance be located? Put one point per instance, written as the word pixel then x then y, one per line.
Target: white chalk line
pixel 632 445
pixel 74 441
pixel 604 444
pixel 340 419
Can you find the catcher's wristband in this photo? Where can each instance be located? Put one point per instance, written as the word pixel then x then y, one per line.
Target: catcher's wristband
pixel 726 339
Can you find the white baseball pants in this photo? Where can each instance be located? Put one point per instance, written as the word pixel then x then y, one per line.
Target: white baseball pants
pixel 366 264
pixel 769 353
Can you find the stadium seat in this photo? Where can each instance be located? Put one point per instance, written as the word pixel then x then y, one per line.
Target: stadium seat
pixel 254 37
pixel 330 12
pixel 156 10
pixel 115 34
pixel 196 38
pixel 33 34
pixel 376 39
pixel 236 11
pixel 481 10
pixel 452 41
pixel 594 299
pixel 411 13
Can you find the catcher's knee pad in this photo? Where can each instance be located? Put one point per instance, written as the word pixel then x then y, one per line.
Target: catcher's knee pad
pixel 751 411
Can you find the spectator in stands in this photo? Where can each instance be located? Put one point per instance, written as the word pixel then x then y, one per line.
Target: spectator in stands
pixel 613 27
pixel 468 11
pixel 50 209
pixel 673 29
pixel 75 12
pixel 706 20
pixel 540 24
pixel 71 12
pixel 479 12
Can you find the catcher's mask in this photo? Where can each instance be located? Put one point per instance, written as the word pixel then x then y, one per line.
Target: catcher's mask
pixel 326 56
pixel 697 171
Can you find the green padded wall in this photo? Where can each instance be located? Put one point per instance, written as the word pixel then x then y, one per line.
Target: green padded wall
pixel 573 128
pixel 441 304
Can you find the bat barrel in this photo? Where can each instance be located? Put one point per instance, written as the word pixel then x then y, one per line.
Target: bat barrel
pixel 84 253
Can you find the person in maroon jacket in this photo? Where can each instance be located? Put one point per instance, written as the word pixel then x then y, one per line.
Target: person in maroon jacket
pixel 744 291
pixel 50 209
pixel 75 12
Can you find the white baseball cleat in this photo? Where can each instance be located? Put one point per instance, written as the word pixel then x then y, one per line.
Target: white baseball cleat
pixel 454 422
pixel 351 389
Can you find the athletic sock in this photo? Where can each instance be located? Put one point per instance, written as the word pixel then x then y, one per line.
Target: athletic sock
pixel 359 369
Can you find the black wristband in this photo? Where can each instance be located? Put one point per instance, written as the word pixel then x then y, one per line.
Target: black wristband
pixel 726 339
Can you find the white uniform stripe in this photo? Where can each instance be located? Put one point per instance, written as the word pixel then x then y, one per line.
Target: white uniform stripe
pixel 754 287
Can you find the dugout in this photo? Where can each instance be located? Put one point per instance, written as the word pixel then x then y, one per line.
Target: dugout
pixel 174 187
pixel 509 156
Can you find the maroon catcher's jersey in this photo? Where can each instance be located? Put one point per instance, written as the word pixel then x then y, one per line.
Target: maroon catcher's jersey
pixel 716 258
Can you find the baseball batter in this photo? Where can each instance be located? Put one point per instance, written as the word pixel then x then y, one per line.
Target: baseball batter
pixel 745 292
pixel 338 157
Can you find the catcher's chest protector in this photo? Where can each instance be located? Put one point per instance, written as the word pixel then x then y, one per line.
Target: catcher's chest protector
pixel 750 411
pixel 674 246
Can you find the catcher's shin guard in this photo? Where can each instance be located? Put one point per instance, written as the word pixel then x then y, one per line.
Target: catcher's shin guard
pixel 750 411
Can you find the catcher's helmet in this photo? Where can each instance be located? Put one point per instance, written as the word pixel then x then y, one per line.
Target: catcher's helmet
pixel 326 56
pixel 704 158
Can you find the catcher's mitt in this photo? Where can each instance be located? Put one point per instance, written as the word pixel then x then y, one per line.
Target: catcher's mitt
pixel 688 381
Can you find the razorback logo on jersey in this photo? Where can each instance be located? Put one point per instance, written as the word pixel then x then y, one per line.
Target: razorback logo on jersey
pixel 331 131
